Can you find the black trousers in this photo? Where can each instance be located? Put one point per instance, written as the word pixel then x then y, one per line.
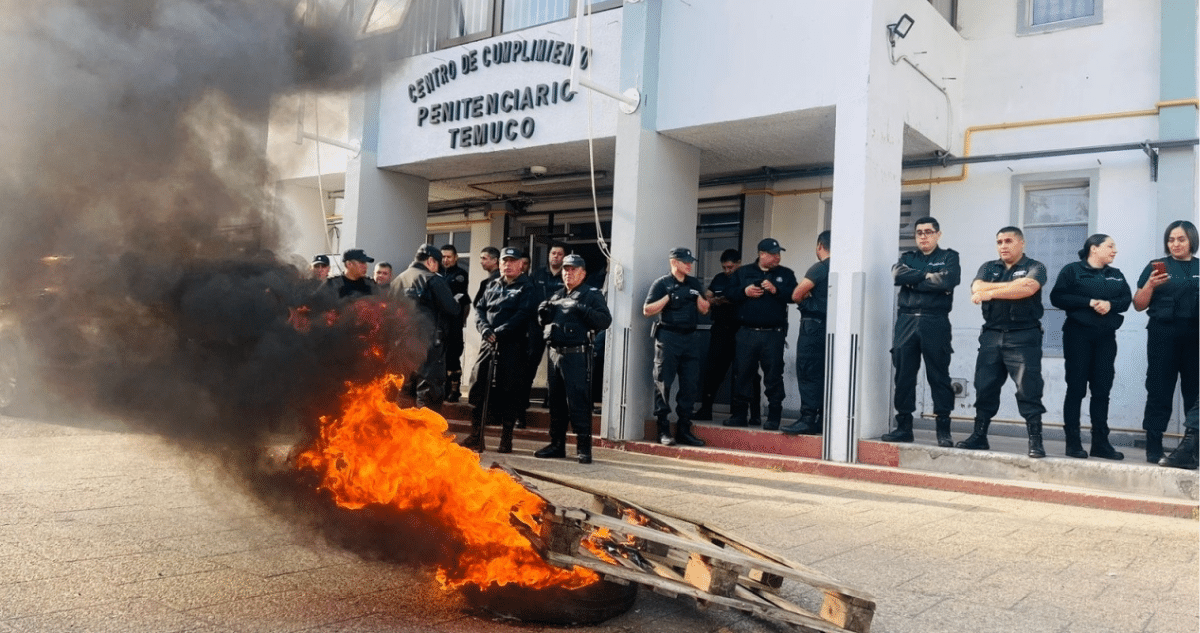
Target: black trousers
pixel 534 352
pixel 917 337
pixel 508 358
pixel 1009 354
pixel 755 349
pixel 722 349
pixel 428 383
pixel 810 366
pixel 676 355
pixel 1172 351
pixel 570 394
pixel 454 350
pixel 1089 355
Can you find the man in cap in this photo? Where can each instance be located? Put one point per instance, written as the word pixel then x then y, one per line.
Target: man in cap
pixel 571 316
pixel 547 280
pixel 678 301
pixel 502 316
pixel 435 304
pixel 456 278
pixel 320 267
pixel 761 292
pixel 354 282
pixel 812 299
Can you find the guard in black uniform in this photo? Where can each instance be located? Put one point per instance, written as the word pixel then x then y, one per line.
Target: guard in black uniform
pixel 678 300
pixel 547 281
pixel 1168 288
pixel 489 261
pixel 926 277
pixel 722 340
pixel 812 299
pixel 502 316
pixel 456 278
pixel 421 284
pixel 354 282
pixel 571 316
pixel 1009 290
pixel 761 292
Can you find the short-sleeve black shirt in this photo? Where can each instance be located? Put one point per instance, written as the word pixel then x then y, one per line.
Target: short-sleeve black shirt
pixel 816 304
pixel 1013 314
pixel 681 312
pixel 1177 299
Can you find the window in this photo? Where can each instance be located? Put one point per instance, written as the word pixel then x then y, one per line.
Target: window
pixel 1055 215
pixel 1040 16
pixel 461 241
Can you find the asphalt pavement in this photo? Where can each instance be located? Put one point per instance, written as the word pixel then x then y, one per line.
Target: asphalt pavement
pixel 103 529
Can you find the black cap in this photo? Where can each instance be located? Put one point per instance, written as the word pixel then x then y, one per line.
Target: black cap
pixel 428 250
pixel 356 255
pixel 574 261
pixel 512 252
pixel 770 245
pixel 683 254
pixel 321 259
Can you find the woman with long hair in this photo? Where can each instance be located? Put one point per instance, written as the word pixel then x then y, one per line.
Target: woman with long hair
pixel 1169 288
pixel 1093 294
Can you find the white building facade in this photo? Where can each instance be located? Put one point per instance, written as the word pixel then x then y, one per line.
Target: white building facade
pixel 758 118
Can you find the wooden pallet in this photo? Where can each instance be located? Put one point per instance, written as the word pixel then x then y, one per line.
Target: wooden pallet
pixel 675 556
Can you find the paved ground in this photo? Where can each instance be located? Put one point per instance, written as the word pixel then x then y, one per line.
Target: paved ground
pixel 106 530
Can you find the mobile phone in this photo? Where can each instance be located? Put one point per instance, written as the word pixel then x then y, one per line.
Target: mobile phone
pixel 1159 267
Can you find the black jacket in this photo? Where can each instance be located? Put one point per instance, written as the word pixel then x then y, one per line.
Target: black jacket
pixel 569 318
pixel 1078 284
pixel 927 294
pixel 430 292
pixel 506 309
pixel 769 310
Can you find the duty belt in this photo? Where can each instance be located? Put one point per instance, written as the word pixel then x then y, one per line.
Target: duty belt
pixel 578 349
pixel 925 312
pixel 814 317
pixel 778 328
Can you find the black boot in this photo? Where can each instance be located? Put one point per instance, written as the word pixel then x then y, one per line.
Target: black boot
pixel 808 424
pixel 521 419
pixel 556 448
pixel 978 438
pixel 1186 455
pixel 1100 446
pixel 684 435
pixel 474 441
pixel 1074 443
pixel 1036 450
pixel 583 448
pixel 664 432
pixel 506 433
pixel 454 381
pixel 903 431
pixel 943 432
pixel 705 411
pixel 1154 450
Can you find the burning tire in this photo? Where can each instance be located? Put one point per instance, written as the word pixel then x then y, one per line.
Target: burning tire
pixel 592 604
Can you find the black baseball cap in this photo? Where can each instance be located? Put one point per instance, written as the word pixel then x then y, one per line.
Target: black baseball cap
pixel 429 250
pixel 511 252
pixel 321 259
pixel 683 254
pixel 770 245
pixel 574 261
pixel 356 255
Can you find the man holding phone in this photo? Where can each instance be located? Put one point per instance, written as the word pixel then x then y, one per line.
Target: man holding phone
pixel 761 292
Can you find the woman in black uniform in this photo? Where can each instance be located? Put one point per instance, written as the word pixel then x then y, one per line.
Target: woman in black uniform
pixel 1093 294
pixel 1168 287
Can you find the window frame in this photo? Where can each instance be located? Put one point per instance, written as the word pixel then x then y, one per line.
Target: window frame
pixel 1025 24
pixel 496 27
pixel 1024 183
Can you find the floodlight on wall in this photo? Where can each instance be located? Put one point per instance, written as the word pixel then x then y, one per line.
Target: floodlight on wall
pixel 900 28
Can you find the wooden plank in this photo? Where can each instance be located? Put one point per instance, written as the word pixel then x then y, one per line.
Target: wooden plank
pixel 848 612
pixel 711 576
pixel 767 612
pixel 746 547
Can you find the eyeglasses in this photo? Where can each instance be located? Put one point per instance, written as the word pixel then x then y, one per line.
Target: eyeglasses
pixel 926 232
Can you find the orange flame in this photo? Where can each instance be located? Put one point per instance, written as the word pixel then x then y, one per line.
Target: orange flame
pixel 378 453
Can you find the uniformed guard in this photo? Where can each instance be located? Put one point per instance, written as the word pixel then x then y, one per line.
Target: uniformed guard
pixel 927 277
pixel 812 299
pixel 1009 290
pixel 502 316
pixel 761 291
pixel 354 282
pixel 571 316
pixel 678 301
pixel 421 284
pixel 456 278
pixel 722 343
pixel 546 281
pixel 1169 288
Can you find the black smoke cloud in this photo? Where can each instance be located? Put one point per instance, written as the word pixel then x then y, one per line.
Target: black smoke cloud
pixel 137 246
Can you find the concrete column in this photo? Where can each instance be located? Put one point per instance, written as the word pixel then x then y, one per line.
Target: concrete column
pixel 655 188
pixel 385 212
pixel 1177 80
pixel 868 144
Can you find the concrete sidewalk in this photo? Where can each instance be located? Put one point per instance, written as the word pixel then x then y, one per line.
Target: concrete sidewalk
pixel 106 530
